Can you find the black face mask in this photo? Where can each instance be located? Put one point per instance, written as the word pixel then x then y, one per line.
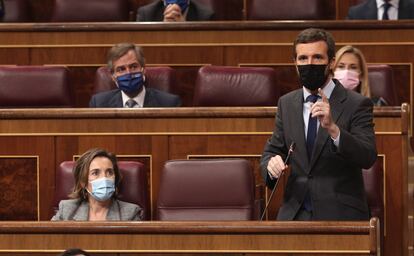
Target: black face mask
pixel 312 76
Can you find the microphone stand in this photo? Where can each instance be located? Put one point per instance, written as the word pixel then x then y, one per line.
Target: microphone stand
pixel 291 148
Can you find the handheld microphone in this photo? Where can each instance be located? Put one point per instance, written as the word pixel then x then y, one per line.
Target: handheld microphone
pixel 291 149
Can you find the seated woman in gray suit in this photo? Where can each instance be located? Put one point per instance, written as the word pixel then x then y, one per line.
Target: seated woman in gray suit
pixel 97 179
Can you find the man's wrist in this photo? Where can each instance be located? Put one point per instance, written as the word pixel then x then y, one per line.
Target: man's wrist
pixel 333 131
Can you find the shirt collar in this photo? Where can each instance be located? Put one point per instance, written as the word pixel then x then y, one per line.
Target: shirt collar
pixel 327 90
pixel 393 3
pixel 139 98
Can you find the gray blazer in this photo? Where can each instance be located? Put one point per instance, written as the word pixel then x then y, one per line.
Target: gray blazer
pixel 74 209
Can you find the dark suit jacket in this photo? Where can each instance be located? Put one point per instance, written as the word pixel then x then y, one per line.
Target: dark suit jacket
pixel 333 175
pixel 153 99
pixel 368 10
pixel 154 12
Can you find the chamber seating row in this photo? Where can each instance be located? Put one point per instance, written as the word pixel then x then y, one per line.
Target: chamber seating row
pixel 124 10
pixel 48 86
pixel 212 189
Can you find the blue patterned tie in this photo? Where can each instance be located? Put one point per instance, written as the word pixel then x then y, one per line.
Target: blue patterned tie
pixel 312 127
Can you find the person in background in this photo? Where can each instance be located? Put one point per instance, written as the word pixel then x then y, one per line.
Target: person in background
pixel 351 70
pixel 1 8
pixel 174 10
pixel 74 252
pixel 94 196
pixel 127 64
pixel 333 131
pixel 382 10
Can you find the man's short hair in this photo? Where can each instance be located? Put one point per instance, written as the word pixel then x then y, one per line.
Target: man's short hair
pixel 312 35
pixel 119 50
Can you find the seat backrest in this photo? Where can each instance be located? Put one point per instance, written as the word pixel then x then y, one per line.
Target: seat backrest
pixel 290 10
pixel 133 187
pixel 224 10
pixel 34 86
pixel 90 10
pixel 235 86
pixel 374 189
pixel 381 84
pixel 161 78
pixel 16 11
pixel 220 189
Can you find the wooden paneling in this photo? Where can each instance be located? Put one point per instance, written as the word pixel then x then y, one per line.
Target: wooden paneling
pixel 42 9
pixel 314 238
pixel 157 135
pixel 18 191
pixel 186 47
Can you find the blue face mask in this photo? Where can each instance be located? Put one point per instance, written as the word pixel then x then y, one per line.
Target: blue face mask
pixel 182 3
pixel 102 189
pixel 131 82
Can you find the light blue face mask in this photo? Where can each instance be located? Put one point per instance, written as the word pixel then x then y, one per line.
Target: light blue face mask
pixel 102 189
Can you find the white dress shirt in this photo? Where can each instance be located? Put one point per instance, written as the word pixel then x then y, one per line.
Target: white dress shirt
pixel 392 11
pixel 139 99
pixel 327 90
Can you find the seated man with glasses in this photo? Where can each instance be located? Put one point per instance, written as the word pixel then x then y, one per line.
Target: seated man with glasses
pixel 127 64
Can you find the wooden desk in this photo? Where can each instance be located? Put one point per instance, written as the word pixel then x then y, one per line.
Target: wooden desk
pixel 268 237
pixel 34 141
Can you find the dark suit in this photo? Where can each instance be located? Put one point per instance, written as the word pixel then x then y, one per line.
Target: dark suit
pixel 333 176
pixel 154 12
pixel 368 10
pixel 153 99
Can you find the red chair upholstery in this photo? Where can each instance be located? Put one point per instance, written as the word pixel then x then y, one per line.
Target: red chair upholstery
pixel 233 86
pixel 381 83
pixel 133 187
pixel 290 10
pixel 374 189
pixel 16 11
pixel 224 10
pixel 34 86
pixel 220 189
pixel 90 10
pixel 161 78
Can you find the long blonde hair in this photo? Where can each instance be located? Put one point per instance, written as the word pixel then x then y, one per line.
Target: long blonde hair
pixel 364 89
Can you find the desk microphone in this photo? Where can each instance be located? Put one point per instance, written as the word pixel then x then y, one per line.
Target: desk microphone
pixel 291 149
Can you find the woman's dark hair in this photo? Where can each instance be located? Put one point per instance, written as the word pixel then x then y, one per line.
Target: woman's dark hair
pixel 81 172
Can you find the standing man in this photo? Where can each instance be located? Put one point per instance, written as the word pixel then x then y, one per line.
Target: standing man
pixel 127 64
pixel 382 10
pixel 334 134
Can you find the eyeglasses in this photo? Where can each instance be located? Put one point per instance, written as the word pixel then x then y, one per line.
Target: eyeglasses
pixel 130 68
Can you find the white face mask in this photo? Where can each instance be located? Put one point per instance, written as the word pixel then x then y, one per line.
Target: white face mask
pixel 102 189
pixel 348 78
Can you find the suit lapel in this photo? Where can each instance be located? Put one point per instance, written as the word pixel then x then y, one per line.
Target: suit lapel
pixel 150 100
pixel 298 130
pixel 116 100
pixel 336 101
pixel 372 10
pixel 113 212
pixel 82 213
